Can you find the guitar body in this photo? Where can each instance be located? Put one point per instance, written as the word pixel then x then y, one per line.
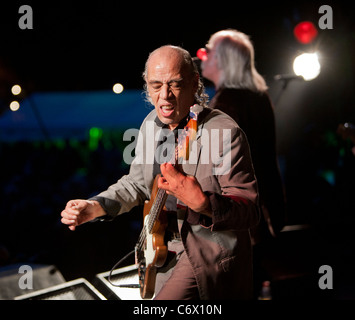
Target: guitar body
pixel 154 250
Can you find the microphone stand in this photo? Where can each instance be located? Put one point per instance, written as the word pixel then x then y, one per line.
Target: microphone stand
pixel 286 79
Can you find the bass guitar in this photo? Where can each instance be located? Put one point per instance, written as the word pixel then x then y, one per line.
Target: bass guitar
pixel 151 250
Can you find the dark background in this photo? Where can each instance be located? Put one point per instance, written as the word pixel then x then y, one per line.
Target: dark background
pixel 88 46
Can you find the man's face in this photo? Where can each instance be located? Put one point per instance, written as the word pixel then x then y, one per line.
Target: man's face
pixel 209 67
pixel 171 86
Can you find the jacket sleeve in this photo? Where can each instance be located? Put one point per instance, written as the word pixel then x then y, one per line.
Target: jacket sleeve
pixel 130 190
pixel 235 203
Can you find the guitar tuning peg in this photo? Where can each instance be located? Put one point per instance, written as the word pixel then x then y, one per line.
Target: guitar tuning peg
pixel 196 108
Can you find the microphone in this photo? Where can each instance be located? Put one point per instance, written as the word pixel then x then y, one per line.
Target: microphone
pixel 287 77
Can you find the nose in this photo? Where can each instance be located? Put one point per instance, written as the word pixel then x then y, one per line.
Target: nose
pixel 165 91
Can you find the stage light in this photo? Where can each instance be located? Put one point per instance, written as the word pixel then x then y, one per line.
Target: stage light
pixel 202 54
pixel 95 135
pixel 307 65
pixel 305 32
pixel 14 106
pixel 117 88
pixel 16 90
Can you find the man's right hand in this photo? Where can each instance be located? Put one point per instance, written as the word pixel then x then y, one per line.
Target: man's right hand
pixel 78 211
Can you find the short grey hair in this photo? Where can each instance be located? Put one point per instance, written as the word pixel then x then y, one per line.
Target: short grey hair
pixel 235 58
pixel 201 97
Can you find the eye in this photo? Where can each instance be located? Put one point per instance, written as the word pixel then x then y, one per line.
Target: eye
pixel 156 85
pixel 175 84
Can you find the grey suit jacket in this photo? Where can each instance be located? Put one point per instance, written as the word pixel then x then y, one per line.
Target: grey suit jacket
pixel 219 249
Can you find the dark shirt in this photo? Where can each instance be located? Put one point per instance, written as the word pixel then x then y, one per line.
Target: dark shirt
pixel 254 113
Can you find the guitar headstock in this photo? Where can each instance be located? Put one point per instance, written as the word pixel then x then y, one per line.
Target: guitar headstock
pixel 188 134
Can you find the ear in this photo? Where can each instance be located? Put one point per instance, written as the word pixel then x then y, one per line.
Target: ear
pixel 147 94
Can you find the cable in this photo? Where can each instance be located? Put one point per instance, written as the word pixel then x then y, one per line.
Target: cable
pixel 115 266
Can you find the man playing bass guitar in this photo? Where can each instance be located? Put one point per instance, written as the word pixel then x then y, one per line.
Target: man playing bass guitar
pixel 210 197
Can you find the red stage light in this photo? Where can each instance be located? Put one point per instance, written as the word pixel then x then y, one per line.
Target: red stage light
pixel 305 32
pixel 202 54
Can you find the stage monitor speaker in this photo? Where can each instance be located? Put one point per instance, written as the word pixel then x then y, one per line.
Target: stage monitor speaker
pixel 43 276
pixel 79 289
pixel 122 276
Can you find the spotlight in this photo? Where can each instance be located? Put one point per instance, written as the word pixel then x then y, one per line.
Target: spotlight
pixel 14 106
pixel 305 32
pixel 307 65
pixel 117 88
pixel 16 90
pixel 202 54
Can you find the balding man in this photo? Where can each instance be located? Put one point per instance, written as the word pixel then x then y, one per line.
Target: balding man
pixel 212 198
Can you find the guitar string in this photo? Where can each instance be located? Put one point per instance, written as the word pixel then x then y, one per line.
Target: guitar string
pixel 152 216
pixel 160 195
pixel 154 210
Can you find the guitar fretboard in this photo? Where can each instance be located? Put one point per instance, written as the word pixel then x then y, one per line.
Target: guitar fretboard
pixel 157 207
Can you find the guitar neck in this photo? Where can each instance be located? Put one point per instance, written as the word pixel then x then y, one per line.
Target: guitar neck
pixel 157 207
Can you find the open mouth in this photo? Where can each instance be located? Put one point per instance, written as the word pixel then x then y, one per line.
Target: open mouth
pixel 166 110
